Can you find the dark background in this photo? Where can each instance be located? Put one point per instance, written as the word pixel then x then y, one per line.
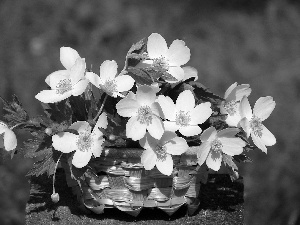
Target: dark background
pixel 255 42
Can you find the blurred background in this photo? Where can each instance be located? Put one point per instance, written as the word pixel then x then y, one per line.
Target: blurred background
pixel 254 42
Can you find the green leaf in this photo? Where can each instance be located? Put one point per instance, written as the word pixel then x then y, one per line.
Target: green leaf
pixel 138 47
pixel 227 159
pixel 14 112
pixel 139 75
pixel 59 112
pixel 242 158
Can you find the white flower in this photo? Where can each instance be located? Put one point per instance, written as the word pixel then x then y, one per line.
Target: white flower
pixel 190 72
pixel 108 81
pixel 230 106
pixel 9 137
pixel 214 144
pixel 86 143
pixel 167 59
pixel 252 122
pixel 144 113
pixel 65 83
pixel 184 115
pixel 158 152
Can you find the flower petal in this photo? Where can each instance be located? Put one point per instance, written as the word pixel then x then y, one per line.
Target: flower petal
pixel 134 129
pixel 156 128
pixel 190 72
pixel 108 70
pixel 267 137
pixel 177 72
pixel 54 78
pixel 79 87
pixel 127 107
pixel 229 90
pixel 233 120
pixel 165 166
pixel 214 160
pixel 97 145
pixel 168 107
pixel 245 124
pixel 209 134
pixel 258 142
pixel 81 159
pixel 156 46
pixel 171 126
pixel 185 101
pixel 148 142
pixel 178 54
pixel 10 140
pixel 242 90
pixel 263 107
pixel 68 57
pixel 232 146
pixel 200 113
pixel 202 152
pixel 94 79
pixel 228 132
pixel 81 126
pixel 77 71
pixel 145 95
pixel 64 142
pixel 101 122
pixel 176 146
pixel 124 83
pixel 166 137
pixel 190 130
pixel 3 127
pixel 157 110
pixel 148 159
pixel 51 96
pixel 245 108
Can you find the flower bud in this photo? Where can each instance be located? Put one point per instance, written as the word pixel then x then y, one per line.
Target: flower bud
pixel 48 131
pixel 55 197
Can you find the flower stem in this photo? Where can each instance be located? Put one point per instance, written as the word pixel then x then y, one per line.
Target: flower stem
pixel 101 108
pixel 18 124
pixel 55 172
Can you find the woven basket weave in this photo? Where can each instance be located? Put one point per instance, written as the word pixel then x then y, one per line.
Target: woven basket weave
pixel 118 179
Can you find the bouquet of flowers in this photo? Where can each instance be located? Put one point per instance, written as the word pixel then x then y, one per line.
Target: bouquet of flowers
pixel 153 105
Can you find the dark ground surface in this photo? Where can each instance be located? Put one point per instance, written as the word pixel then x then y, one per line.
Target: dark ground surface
pixel 222 202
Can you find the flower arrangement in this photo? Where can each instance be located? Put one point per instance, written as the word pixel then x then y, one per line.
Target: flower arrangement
pixel 154 104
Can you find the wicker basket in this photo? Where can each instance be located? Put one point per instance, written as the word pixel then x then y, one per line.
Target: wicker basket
pixel 118 179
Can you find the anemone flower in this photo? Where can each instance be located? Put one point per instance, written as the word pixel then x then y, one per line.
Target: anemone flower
pixel 9 137
pixel 252 121
pixel 109 81
pixel 158 152
pixel 184 116
pixel 86 143
pixel 68 82
pixel 215 144
pixel 144 113
pixel 230 106
pixel 167 59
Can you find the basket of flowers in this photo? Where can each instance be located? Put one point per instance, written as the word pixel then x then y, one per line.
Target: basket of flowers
pixel 145 136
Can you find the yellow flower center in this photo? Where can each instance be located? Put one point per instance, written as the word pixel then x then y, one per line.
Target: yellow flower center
pixel 216 146
pixel 183 118
pixel 161 64
pixel 63 86
pixel 145 115
pixel 109 87
pixel 161 152
pixel 84 141
pixel 231 107
pixel 256 126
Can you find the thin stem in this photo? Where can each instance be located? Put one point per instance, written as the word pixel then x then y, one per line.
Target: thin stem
pixel 101 108
pixel 55 172
pixel 18 124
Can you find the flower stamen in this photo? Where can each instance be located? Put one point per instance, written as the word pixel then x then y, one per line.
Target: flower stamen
pixel 64 86
pixel 216 146
pixel 145 115
pixel 109 87
pixel 256 126
pixel 231 107
pixel 84 141
pixel 183 118
pixel 161 64
pixel 161 152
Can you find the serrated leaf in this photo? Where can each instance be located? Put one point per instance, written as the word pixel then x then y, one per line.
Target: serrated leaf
pixel 58 112
pixel 242 158
pixel 14 112
pixel 140 76
pixel 138 47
